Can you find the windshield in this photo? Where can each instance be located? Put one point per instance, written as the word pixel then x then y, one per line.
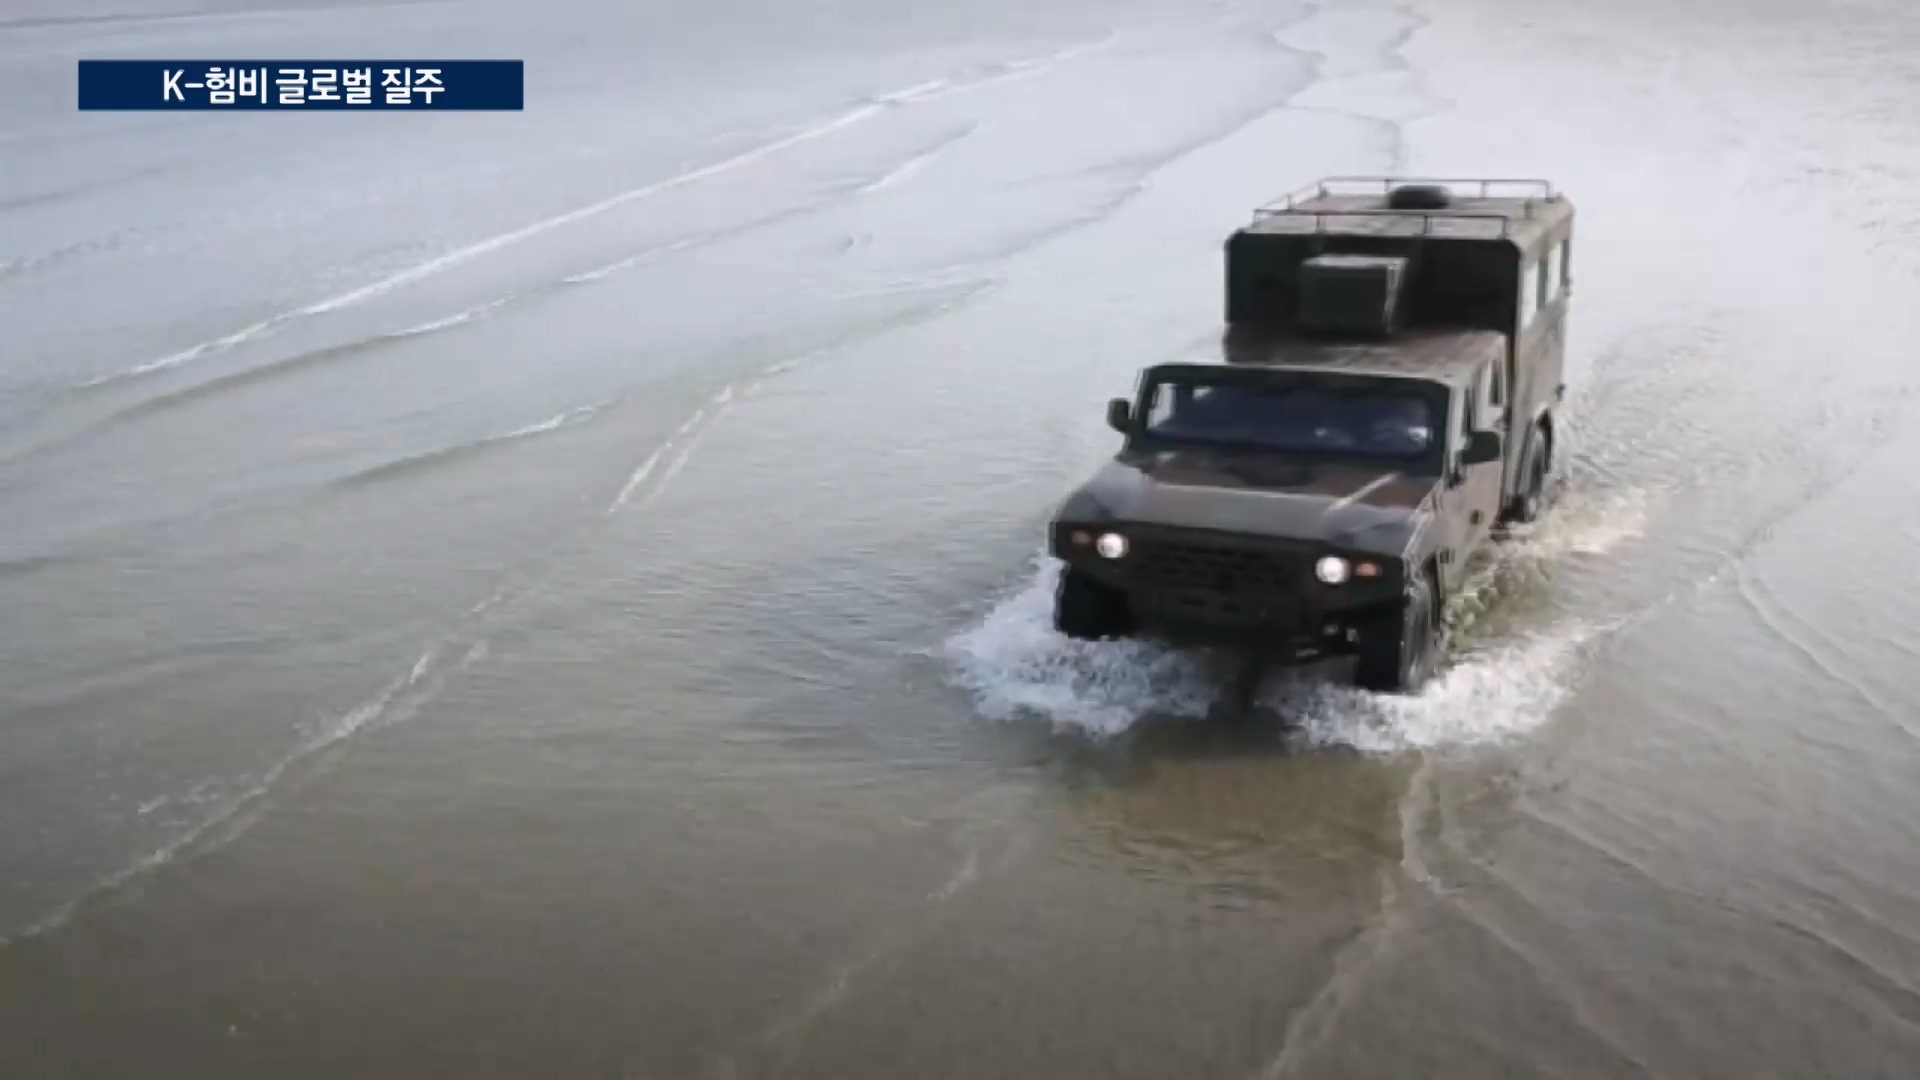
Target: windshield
pixel 1353 417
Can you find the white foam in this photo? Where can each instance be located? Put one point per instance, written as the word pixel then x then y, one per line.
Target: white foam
pixel 620 266
pixel 195 352
pixel 636 478
pixel 553 423
pixel 420 667
pixel 458 318
pixel 915 92
pixel 673 469
pixel 1586 523
pixel 1493 695
pixel 1017 666
pixel 902 172
pixel 679 445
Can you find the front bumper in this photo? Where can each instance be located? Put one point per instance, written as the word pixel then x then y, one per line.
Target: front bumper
pixel 1205 585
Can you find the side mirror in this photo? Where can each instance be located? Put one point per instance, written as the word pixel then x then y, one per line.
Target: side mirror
pixel 1482 447
pixel 1120 414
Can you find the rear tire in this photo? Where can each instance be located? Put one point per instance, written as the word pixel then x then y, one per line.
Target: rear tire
pixel 1397 653
pixel 1087 610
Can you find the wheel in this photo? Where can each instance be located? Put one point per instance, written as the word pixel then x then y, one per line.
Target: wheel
pixel 1397 653
pixel 1528 505
pixel 1087 610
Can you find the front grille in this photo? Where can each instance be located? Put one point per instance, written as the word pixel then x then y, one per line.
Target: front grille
pixel 1191 565
pixel 1210 579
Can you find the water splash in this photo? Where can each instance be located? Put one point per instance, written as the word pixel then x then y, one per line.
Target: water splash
pixel 1017 667
pixel 1490 695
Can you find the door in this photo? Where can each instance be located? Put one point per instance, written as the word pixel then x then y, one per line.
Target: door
pixel 1472 499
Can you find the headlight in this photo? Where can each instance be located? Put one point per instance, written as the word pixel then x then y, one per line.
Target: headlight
pixel 1332 569
pixel 1111 545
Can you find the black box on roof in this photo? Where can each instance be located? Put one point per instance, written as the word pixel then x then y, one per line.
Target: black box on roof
pixel 1351 294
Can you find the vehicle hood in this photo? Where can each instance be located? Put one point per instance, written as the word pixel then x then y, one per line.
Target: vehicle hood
pixel 1374 510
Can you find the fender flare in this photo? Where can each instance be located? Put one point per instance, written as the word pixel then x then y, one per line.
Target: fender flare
pixel 1422 556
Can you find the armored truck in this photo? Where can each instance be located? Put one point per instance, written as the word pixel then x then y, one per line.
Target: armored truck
pixel 1382 405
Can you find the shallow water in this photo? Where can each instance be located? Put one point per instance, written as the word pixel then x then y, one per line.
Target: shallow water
pixel 561 595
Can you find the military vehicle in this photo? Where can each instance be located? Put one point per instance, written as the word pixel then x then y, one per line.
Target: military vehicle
pixel 1383 404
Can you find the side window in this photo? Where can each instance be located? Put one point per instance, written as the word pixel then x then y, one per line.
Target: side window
pixel 1550 277
pixel 1497 386
pixel 1160 405
pixel 1529 293
pixel 1566 264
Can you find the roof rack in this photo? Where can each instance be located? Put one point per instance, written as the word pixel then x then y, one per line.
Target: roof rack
pixel 1421 220
pixel 1367 185
pixel 1415 222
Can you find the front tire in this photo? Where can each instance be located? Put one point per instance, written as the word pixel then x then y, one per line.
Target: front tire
pixel 1397 654
pixel 1087 610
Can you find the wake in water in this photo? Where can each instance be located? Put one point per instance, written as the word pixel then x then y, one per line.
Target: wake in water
pixel 1018 668
pixel 818 128
pixel 403 466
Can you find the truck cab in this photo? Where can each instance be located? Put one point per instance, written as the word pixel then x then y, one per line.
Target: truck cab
pixel 1383 399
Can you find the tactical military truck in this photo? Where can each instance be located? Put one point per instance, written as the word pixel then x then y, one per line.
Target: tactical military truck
pixel 1384 399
